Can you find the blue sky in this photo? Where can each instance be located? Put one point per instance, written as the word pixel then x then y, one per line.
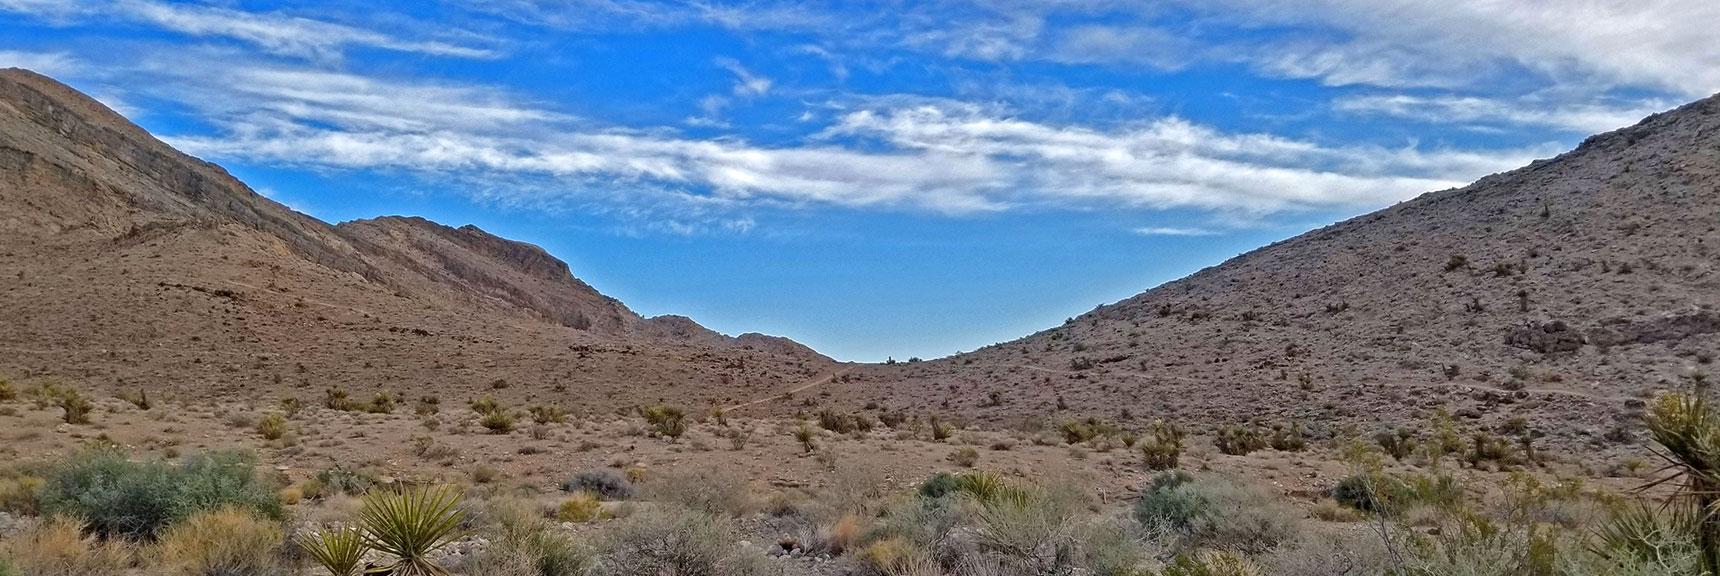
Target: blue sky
pixel 874 179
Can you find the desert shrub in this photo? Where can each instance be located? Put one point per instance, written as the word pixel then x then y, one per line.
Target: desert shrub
pixel 411 525
pixel 428 405
pixel 674 541
pixel 669 421
pixel 272 427
pixel 428 448
pixel 1211 563
pixel 21 495
pixel 1165 507
pixel 77 408
pixel 291 406
pixel 964 457
pixel 338 551
pixel 708 490
pixel 7 392
pixel 938 486
pixel 606 483
pixel 1398 445
pixel 59 546
pixel 1076 431
pixel 382 403
pixel 1288 438
pixel 350 481
pixel 497 422
pixel 485 474
pixel 807 436
pixel 338 399
pixel 1215 514
pixel 523 544
pixel 1239 441
pixel 488 405
pixel 550 414
pixel 140 399
pixel 940 431
pixel 1380 493
pixel 581 507
pixel 1165 449
pixel 119 498
pixel 223 542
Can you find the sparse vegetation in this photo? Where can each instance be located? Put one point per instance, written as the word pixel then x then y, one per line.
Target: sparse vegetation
pixel 669 422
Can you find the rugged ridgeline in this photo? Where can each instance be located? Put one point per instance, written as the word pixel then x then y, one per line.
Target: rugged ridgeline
pixel 130 264
pixel 1565 292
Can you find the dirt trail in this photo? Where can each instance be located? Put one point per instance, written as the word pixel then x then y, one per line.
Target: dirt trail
pixel 779 396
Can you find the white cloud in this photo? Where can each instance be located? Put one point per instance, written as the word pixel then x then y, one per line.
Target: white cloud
pixel 272 32
pixel 1663 44
pixel 747 84
pixel 944 158
pixel 1167 231
pixel 1582 118
pixel 47 63
pixel 280 33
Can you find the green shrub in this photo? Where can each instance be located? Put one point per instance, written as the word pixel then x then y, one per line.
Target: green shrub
pixel 337 399
pixel 76 406
pixel 605 483
pixel 1217 515
pixel 1165 450
pixel 381 404
pixel 7 392
pixel 497 422
pixel 670 421
pixel 412 525
pixel 119 498
pixel 272 427
pixel 1239 441
pixel 551 414
pixel 346 480
pixel 338 551
pixel 938 486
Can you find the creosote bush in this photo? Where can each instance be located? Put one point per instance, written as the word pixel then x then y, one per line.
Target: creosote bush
pixel 606 483
pixel 116 497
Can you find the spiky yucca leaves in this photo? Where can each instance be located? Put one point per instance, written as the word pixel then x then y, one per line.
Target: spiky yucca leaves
pixel 1640 533
pixel 1688 433
pixel 412 524
pixel 338 551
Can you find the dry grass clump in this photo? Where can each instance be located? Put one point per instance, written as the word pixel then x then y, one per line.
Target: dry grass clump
pixel 523 544
pixel 679 541
pixel 712 491
pixel 58 546
pixel 222 542
pixel 581 507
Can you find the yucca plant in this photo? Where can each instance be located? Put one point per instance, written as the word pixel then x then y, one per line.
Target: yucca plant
pixel 338 551
pixel 412 524
pixel 1688 433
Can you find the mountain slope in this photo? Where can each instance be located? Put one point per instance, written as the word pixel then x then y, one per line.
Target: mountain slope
pixel 1564 292
pixel 132 264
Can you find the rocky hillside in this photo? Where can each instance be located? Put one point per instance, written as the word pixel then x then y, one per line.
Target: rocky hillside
pixel 1564 292
pixel 132 264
